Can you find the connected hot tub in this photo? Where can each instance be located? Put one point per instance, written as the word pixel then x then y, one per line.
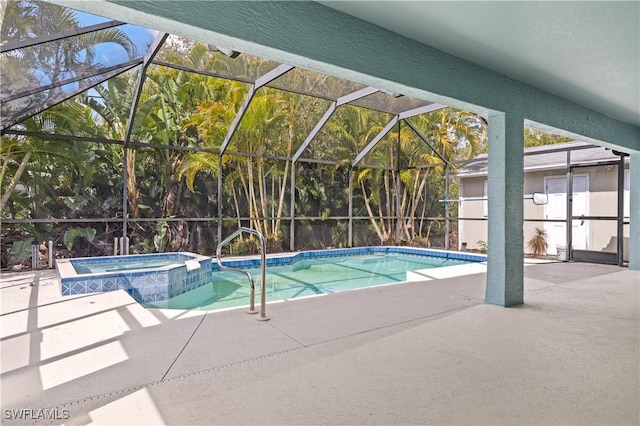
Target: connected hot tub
pixel 148 278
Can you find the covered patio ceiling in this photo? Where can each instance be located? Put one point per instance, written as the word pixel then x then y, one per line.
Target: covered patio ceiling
pixel 587 52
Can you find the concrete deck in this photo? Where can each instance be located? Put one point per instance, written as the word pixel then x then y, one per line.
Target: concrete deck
pixel 426 352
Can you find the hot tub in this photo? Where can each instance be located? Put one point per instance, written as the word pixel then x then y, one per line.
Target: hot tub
pixel 147 277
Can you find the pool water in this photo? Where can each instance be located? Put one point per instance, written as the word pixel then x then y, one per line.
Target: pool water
pixel 305 277
pixel 94 265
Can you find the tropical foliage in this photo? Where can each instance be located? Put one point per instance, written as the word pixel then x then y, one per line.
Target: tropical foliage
pixel 172 162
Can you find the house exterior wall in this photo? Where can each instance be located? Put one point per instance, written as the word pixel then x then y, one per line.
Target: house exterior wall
pixel 601 200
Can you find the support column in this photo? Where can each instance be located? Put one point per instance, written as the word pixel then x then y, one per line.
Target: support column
pixel 219 200
pixel 634 211
pixel 505 269
pixel 292 208
pixel 620 222
pixel 446 207
pixel 350 238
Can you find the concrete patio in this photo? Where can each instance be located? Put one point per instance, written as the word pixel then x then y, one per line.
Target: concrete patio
pixel 426 352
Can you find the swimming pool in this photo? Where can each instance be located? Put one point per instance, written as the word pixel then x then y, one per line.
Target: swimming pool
pixel 192 281
pixel 313 273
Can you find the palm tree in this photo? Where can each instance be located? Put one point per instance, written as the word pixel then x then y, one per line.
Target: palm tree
pixel 165 112
pixel 456 135
pixel 354 129
pixel 56 61
pixel 48 62
pixel 216 109
pixel 260 132
pixel 18 152
pixel 116 98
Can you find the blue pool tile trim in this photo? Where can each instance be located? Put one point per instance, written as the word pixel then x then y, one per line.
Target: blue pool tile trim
pixel 287 260
pixel 143 285
pixel 148 286
pixel 134 257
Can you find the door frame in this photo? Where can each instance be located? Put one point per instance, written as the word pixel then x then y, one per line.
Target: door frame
pixel 569 203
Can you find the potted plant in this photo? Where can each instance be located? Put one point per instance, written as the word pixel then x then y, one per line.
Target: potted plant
pixel 538 243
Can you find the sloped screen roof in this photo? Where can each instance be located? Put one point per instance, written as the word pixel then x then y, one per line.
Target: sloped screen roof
pixel 50 54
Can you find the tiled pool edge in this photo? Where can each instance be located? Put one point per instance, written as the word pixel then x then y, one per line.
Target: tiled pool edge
pixel 287 260
pixel 143 285
pixel 148 286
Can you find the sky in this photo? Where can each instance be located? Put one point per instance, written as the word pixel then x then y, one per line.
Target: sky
pixel 110 54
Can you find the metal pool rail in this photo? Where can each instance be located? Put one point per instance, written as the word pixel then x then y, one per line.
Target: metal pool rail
pixel 263 264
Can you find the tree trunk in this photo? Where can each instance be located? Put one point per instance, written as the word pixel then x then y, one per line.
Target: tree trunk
pixel 283 187
pixel 253 204
pixel 371 217
pixel 389 202
pixel 263 198
pixel 178 232
pixel 133 193
pixel 15 180
pixel 235 203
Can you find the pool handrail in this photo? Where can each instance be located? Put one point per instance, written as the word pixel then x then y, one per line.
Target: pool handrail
pixel 263 263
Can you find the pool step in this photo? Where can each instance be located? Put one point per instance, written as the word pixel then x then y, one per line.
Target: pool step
pixel 447 272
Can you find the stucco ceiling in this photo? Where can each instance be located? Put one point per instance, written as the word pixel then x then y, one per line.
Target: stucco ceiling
pixel 587 52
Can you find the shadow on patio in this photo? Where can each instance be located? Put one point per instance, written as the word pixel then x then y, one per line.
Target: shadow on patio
pixel 424 352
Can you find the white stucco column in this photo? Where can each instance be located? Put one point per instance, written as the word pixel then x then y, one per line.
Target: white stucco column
pixel 634 210
pixel 505 270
